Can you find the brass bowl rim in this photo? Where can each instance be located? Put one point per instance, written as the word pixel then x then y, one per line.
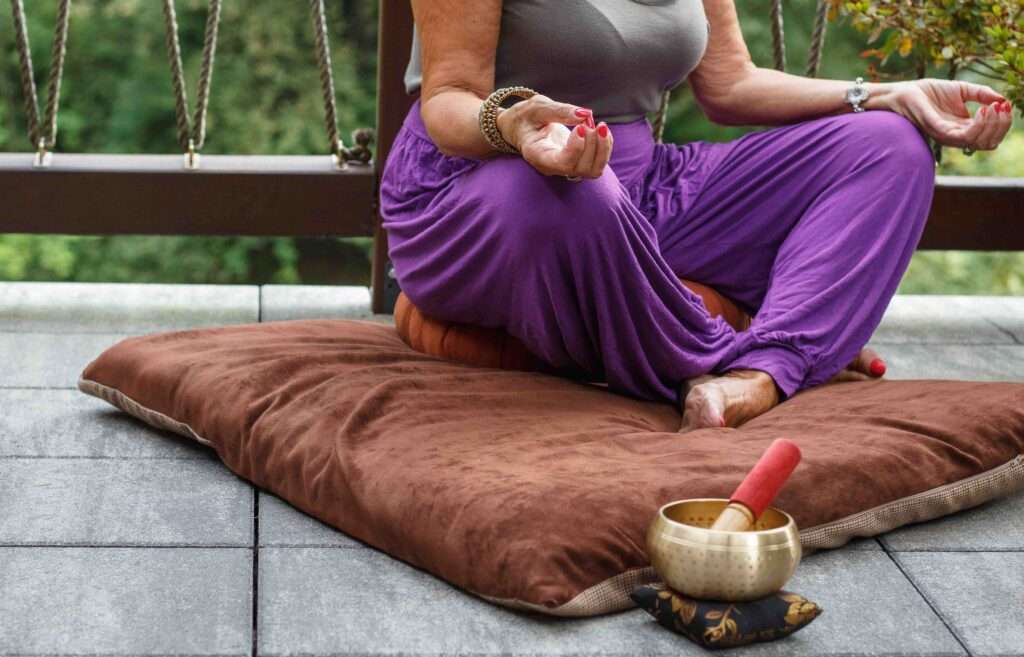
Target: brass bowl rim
pixel 790 522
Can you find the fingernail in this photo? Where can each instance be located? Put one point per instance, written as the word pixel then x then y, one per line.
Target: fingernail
pixel 1006 106
pixel 581 130
pixel 983 108
pixel 582 113
pixel 603 130
pixel 877 367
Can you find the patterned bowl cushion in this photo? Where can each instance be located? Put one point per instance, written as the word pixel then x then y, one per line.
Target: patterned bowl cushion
pixel 726 624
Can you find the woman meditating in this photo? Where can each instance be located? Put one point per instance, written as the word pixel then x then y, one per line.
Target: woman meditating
pixel 525 191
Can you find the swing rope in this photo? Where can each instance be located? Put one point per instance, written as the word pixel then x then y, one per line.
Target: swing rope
pixel 817 39
pixel 191 134
pixel 363 136
pixel 778 36
pixel 778 53
pixel 42 137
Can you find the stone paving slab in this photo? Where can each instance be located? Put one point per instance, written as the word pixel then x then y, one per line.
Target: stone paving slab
pixel 966 362
pixel 320 601
pixel 957 319
pixel 980 595
pixel 123 502
pixel 284 302
pixel 282 525
pixel 125 601
pixel 1006 311
pixel 123 307
pixel 67 423
pixel 996 525
pixel 49 360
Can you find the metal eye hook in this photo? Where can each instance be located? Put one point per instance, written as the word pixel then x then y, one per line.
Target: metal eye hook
pixel 43 156
pixel 192 157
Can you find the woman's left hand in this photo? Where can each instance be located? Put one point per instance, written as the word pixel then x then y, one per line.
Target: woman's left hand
pixel 939 108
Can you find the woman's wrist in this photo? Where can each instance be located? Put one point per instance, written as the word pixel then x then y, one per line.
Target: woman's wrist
pixel 504 122
pixel 881 95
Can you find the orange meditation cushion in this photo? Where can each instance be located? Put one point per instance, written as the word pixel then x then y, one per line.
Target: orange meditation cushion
pixel 491 347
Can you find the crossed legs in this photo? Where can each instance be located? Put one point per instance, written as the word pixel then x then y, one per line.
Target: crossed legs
pixel 810 226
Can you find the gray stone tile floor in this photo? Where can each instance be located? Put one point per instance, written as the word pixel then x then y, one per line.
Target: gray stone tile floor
pixel 117 539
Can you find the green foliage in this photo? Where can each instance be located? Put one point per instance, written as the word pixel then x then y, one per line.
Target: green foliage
pixel 988 34
pixel 964 272
pixel 145 260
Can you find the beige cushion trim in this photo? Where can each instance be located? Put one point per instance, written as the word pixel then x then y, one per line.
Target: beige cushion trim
pixel 934 503
pixel 610 595
pixel 134 408
pixel 613 593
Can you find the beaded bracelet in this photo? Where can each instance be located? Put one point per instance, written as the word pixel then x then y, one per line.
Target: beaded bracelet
pixel 488 116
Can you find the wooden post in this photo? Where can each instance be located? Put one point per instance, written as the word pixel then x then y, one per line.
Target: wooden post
pixel 393 49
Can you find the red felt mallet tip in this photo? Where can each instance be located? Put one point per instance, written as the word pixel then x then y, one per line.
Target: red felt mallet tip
pixel 763 482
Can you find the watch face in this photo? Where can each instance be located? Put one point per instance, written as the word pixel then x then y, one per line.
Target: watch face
pixel 856 95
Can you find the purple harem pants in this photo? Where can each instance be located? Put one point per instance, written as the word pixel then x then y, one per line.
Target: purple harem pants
pixel 809 227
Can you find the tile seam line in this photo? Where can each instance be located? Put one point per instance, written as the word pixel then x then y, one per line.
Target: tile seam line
pixel 953 550
pixel 38 389
pixel 122 654
pixel 935 610
pixel 130 334
pixel 255 592
pixel 124 546
pixel 78 457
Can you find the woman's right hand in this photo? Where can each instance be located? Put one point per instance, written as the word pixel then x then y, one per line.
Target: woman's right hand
pixel 537 127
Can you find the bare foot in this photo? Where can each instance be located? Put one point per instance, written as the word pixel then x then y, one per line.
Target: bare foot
pixel 866 366
pixel 727 400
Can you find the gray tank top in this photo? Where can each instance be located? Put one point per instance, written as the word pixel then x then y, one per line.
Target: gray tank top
pixel 613 56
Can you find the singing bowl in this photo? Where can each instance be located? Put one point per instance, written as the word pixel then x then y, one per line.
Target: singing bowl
pixel 722 565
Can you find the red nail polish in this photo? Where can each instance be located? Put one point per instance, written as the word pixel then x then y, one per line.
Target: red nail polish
pixel 1006 106
pixel 877 367
pixel 603 130
pixel 582 113
pixel 581 130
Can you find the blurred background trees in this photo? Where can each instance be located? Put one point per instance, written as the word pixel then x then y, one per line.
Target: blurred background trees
pixel 117 99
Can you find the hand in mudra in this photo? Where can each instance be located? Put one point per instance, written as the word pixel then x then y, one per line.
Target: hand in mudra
pixel 537 127
pixel 939 107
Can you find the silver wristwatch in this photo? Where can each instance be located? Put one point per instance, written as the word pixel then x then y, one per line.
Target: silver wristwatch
pixel 857 94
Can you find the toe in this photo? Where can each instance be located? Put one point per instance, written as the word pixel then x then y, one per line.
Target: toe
pixel 868 362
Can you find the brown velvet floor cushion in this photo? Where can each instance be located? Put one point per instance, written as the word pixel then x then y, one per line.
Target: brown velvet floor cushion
pixel 530 490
